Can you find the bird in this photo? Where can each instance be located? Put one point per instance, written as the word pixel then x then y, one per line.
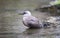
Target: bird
pixel 29 20
pixel 32 22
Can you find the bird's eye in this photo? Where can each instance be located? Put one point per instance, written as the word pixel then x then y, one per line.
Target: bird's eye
pixel 24 12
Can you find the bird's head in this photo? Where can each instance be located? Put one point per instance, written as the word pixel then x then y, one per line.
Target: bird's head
pixel 27 12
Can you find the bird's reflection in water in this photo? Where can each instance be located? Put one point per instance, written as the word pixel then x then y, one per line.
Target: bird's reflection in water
pixel 31 31
pixel 42 31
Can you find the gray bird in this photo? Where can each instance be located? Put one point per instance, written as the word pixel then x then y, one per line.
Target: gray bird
pixel 29 20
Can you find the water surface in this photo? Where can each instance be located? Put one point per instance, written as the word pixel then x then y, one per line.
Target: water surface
pixel 11 25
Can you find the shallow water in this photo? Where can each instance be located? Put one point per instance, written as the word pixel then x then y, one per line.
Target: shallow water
pixel 11 25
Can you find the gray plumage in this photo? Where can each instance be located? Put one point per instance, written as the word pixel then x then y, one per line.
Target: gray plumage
pixel 29 20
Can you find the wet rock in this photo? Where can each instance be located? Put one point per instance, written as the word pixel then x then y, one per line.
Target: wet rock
pixel 44 8
pixel 55 20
